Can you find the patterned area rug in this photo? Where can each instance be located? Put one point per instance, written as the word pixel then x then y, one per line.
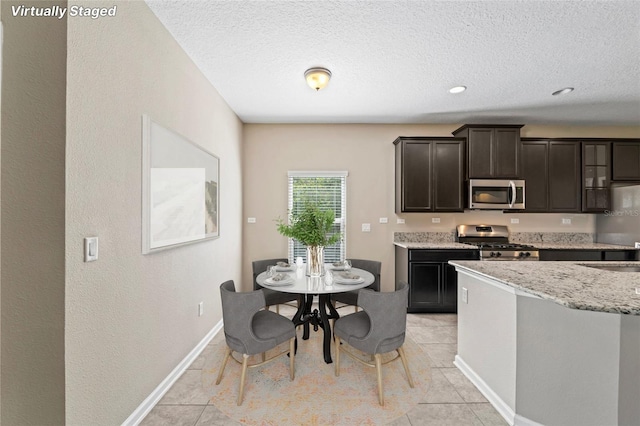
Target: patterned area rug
pixel 317 396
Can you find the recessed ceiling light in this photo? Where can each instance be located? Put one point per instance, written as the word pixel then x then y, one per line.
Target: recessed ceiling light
pixel 562 91
pixel 458 89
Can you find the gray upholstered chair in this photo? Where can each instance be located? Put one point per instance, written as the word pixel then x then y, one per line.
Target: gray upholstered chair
pixel 379 328
pixel 351 297
pixel 272 297
pixel 251 330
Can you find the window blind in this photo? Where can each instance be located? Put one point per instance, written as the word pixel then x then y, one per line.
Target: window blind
pixel 329 191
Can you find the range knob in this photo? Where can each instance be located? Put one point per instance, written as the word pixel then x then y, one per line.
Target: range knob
pixel 492 254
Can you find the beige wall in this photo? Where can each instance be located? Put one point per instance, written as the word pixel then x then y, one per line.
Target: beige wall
pixel 366 152
pixel 33 213
pixel 131 318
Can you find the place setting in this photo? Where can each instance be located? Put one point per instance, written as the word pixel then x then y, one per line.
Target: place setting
pixel 277 277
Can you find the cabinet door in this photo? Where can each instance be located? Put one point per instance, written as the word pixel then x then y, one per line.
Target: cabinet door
pixel 425 291
pixel 416 177
pixel 595 176
pixel 626 161
pixel 507 147
pixel 448 178
pixel 450 289
pixel 535 170
pixel 564 177
pixel 480 153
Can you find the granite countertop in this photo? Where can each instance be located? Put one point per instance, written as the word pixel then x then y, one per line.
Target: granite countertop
pixel 580 246
pixel 571 284
pixel 436 245
pixel 439 245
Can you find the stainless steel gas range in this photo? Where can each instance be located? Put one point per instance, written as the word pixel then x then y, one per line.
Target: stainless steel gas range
pixel 493 243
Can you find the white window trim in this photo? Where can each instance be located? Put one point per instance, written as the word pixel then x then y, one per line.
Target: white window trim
pixel 320 174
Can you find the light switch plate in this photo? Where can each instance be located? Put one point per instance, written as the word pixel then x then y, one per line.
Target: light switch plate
pixel 366 227
pixel 384 220
pixel 400 221
pixel 514 220
pixel 566 221
pixel 90 249
pixel 465 295
pixel 251 220
pixel 435 220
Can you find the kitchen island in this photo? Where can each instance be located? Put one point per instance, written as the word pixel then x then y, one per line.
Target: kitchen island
pixel 553 343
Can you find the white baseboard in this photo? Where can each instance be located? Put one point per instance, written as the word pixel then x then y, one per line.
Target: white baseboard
pixel 147 405
pixel 498 403
pixel 523 421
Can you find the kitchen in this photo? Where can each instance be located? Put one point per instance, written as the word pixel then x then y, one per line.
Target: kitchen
pixel 98 324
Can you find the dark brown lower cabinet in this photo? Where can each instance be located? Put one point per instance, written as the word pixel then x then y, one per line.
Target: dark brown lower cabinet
pixel 433 283
pixel 586 255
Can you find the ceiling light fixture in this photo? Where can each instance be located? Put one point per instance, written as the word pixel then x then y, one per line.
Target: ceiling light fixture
pixel 317 78
pixel 458 89
pixel 562 91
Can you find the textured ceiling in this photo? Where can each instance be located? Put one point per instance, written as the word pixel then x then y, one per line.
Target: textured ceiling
pixel 394 61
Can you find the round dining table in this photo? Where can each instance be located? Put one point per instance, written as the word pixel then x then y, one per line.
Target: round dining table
pixel 307 288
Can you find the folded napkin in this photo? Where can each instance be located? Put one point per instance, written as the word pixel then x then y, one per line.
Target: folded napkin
pixel 279 277
pixel 337 264
pixel 283 264
pixel 349 276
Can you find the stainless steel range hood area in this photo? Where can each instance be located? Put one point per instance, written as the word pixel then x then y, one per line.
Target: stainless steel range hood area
pixel 621 224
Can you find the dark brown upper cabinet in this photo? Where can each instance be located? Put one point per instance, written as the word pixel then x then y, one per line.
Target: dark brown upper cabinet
pixel 596 172
pixel 493 151
pixel 551 170
pixel 626 160
pixel 429 174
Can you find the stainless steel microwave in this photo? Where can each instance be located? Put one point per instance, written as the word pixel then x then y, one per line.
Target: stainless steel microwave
pixel 496 194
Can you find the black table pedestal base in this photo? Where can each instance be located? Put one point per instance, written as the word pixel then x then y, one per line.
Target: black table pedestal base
pixel 318 318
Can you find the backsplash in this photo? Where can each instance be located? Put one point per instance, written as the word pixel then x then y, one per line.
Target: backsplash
pixel 514 237
pixel 424 237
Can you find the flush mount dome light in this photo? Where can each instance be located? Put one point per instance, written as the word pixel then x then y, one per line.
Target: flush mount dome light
pixel 458 89
pixel 317 78
pixel 562 91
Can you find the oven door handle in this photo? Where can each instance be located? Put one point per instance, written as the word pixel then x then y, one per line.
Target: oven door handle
pixel 512 193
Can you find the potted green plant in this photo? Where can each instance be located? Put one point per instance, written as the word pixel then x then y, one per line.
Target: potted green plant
pixel 311 227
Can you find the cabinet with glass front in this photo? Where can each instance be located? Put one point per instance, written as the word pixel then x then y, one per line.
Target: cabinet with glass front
pixel 596 173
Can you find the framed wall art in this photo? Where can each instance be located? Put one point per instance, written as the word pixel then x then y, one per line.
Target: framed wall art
pixel 180 190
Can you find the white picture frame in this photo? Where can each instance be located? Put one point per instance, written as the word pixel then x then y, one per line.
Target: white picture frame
pixel 180 190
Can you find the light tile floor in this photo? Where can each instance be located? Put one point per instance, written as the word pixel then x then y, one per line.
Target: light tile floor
pixel 451 400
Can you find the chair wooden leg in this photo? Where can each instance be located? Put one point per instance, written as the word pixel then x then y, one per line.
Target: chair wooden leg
pixel 378 359
pixel 292 354
pixel 245 361
pixel 356 309
pixel 337 339
pixel 224 364
pixel 264 356
pixel 403 357
pixel 278 309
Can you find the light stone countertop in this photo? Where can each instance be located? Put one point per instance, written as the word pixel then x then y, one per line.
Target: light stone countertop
pixel 440 245
pixel 580 246
pixel 571 284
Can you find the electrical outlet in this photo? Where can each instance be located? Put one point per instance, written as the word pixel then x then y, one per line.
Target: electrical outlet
pixel 366 227
pixel 465 295
pixel 514 220
pixel 251 220
pixel 200 308
pixel 435 220
pixel 384 220
pixel 400 221
pixel 566 221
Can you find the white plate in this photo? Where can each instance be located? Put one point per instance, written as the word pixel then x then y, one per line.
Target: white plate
pixel 346 281
pixel 284 268
pixel 286 281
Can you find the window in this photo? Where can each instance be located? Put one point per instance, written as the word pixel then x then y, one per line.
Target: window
pixel 329 190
